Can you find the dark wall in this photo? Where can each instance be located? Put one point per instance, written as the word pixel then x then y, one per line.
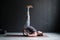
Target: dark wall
pixel 13 15
pixel 57 24
pixel 44 15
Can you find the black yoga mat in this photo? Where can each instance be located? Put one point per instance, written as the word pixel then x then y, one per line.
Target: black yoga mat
pixel 22 36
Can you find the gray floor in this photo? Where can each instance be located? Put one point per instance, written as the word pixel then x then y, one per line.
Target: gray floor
pixel 49 36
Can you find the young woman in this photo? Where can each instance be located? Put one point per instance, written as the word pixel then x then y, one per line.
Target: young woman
pixel 29 30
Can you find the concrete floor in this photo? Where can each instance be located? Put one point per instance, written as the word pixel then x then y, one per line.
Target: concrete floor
pixel 49 36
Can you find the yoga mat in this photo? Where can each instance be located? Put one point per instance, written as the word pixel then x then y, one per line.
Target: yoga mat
pixel 22 36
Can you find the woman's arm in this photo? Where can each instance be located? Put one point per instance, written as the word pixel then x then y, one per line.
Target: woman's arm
pixel 33 34
pixel 25 32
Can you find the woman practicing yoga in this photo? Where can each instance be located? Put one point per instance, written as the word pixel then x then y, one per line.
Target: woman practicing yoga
pixel 32 32
pixel 29 30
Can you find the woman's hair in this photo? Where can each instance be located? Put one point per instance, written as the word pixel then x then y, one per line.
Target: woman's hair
pixel 39 33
